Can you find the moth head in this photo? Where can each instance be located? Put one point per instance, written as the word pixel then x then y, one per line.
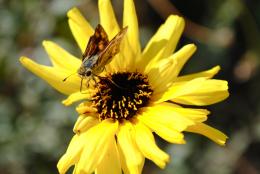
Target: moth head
pixel 84 72
pixel 88 72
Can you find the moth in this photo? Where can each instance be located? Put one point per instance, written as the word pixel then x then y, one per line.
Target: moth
pixel 99 52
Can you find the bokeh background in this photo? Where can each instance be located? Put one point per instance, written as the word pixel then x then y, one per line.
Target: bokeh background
pixel 35 127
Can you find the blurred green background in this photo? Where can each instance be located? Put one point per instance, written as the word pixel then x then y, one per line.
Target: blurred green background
pixel 35 127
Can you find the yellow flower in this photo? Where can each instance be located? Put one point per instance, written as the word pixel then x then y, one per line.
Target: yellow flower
pixel 141 94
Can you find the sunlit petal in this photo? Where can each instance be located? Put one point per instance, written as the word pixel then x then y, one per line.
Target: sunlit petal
pixel 111 162
pixel 166 115
pixel 163 73
pixel 71 156
pixel 164 42
pixel 130 20
pixel 74 97
pixel 128 147
pixel 84 122
pixel 144 136
pixel 61 58
pixel 210 132
pixel 206 74
pixel 54 76
pixel 200 91
pixel 98 142
pixel 85 108
pixel 108 18
pixel 167 132
pixel 80 28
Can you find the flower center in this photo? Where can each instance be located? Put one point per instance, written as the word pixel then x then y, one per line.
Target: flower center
pixel 120 95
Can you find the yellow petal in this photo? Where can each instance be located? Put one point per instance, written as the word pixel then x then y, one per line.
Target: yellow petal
pixel 195 115
pixel 111 162
pixel 54 76
pixel 127 145
pixel 210 132
pixel 163 131
pixel 80 28
pixel 141 165
pixel 74 97
pixel 200 91
pixel 181 57
pixel 109 22
pixel 61 58
pixel 162 122
pixel 123 61
pixel 162 73
pixel 98 140
pixel 107 18
pixel 84 122
pixel 71 156
pixel 130 46
pixel 130 20
pixel 147 145
pixel 164 42
pixel 86 108
pixel 122 161
pixel 165 115
pixel 206 74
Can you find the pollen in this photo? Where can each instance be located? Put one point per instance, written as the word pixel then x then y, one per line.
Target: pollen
pixel 121 95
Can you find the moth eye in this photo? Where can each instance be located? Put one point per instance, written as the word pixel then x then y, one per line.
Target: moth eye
pixel 88 73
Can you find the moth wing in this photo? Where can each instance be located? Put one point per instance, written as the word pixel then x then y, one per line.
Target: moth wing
pixel 97 43
pixel 111 49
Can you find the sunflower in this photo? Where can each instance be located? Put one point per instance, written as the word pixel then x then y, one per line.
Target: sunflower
pixel 140 93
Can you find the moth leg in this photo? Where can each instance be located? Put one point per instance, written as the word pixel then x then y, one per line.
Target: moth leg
pixel 88 83
pixel 81 85
pixel 95 81
pixel 93 78
pixel 104 68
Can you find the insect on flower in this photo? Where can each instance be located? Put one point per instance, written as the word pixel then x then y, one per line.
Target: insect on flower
pixel 99 52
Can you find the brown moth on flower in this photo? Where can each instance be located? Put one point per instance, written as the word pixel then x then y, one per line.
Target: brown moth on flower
pixel 99 52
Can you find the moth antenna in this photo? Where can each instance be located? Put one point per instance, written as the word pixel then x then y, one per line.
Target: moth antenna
pixel 68 77
pixel 114 83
